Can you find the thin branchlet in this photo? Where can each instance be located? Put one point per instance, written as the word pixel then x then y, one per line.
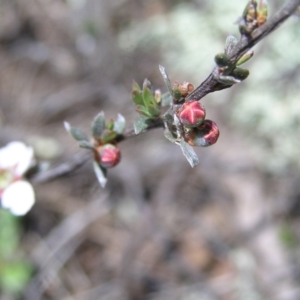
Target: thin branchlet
pixel 209 85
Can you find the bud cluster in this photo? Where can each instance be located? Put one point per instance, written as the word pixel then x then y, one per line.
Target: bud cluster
pixel 196 130
pixel 184 121
pixel 227 72
pixel 254 15
pixel 203 135
pixel 181 90
pixel 103 143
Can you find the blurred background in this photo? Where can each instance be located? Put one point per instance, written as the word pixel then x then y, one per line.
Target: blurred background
pixel 228 229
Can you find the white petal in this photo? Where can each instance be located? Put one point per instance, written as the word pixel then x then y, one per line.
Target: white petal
pixel 18 155
pixel 18 198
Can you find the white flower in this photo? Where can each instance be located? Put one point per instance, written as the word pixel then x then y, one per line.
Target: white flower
pixel 16 194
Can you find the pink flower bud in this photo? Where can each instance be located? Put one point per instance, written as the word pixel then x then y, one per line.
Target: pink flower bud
pixel 109 154
pixel 191 114
pixel 204 135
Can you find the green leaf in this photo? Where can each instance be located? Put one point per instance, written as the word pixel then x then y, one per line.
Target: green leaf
pixel 119 124
pixel 110 125
pixel 140 124
pixel 166 99
pixel 86 145
pixel 189 153
pixel 136 87
pixel 137 97
pixel 148 97
pixel 108 136
pixel 166 78
pixel 101 174
pixel 98 125
pixel 142 110
pixel 76 133
pixel 245 57
pixel 154 111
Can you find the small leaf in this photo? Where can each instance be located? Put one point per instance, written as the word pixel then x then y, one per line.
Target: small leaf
pixel 142 110
pixel 86 145
pixel 140 124
pixel 166 79
pixel 110 125
pixel 108 136
pixel 189 153
pixel 98 125
pixel 166 99
pixel 101 174
pixel 119 124
pixel 136 87
pixel 154 111
pixel 76 133
pixel 148 97
pixel 231 42
pixel 137 97
pixel 245 57
pixel 169 136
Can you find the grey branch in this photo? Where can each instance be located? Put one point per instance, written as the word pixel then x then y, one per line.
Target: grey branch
pixel 246 43
pixel 208 86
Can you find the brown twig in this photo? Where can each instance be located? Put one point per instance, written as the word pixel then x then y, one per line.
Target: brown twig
pixel 246 43
pixel 208 86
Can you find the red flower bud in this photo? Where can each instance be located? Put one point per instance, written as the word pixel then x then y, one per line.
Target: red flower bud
pixel 109 154
pixel 204 135
pixel 191 114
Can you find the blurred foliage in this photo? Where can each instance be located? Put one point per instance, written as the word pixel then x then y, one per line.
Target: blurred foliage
pixel 268 109
pixel 15 270
pixel 288 236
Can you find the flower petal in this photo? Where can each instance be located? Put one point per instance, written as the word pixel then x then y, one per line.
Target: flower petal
pixel 16 155
pixel 18 198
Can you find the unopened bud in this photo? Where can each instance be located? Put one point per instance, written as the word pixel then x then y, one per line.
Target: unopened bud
pixel 204 135
pixel 245 57
pixel 157 96
pixel 109 155
pixel 186 88
pixel 191 114
pixel 240 73
pixel 262 12
pixel 222 60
